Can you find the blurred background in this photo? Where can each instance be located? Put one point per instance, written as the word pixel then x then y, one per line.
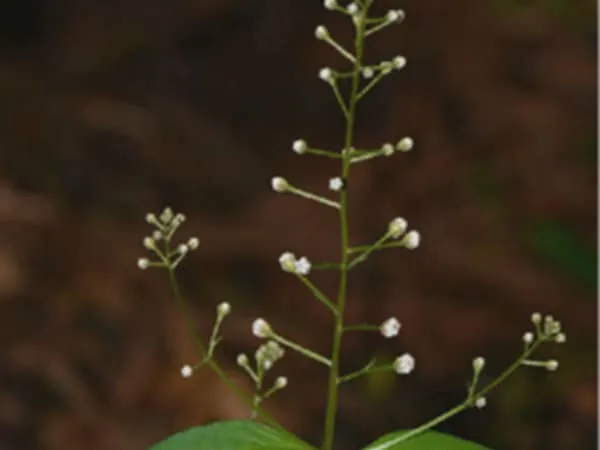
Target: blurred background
pixel 111 109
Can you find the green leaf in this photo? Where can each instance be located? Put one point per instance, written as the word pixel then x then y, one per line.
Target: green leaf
pixel 560 247
pixel 429 440
pixel 232 435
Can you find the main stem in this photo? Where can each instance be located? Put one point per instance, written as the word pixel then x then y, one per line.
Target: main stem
pixel 333 385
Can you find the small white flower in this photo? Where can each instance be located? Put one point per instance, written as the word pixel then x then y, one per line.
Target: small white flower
pixel 352 8
pixel 187 371
pixel 336 184
pixel 151 218
pixel 387 149
pixel 367 72
pixel 179 219
pixel 321 32
pixel 302 266
pixel 157 235
pixel 405 144
pixel 560 338
pixel 149 243
pixel 552 365
pixel 412 240
pixel 223 309
pixel 405 364
pixel 397 227
pixel 528 337
pixel 279 184
pixel 480 402
pixel 193 243
pixel 300 146
pixel 394 15
pixel 287 260
pixel 143 263
pixel 261 328
pixel 330 4
pixel 390 328
pixel 242 360
pixel 183 249
pixel 399 62
pixel 326 74
pixel 536 318
pixel 281 382
pixel 166 216
pixel 478 364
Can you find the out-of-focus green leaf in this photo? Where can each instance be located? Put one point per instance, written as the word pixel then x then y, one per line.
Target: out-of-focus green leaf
pixel 429 440
pixel 232 435
pixel 559 246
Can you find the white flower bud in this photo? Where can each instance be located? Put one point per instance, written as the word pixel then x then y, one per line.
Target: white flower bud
pixel 149 243
pixel 405 364
pixel 187 371
pixel 399 62
pixel 480 402
pixel 560 338
pixel 279 184
pixel 478 364
pixel 281 382
pixel 287 260
pixel 157 235
pixel 387 149
pixel 552 365
pixel 352 9
pixel 528 337
pixel 326 74
pixel 390 328
pixel 321 32
pixel 412 240
pixel 193 243
pixel 330 4
pixel 336 184
pixel 536 318
pixel 183 249
pixel 166 216
pixel 397 227
pixel 261 328
pixel 143 263
pixel 242 360
pixel 367 72
pixel 151 218
pixel 300 146
pixel 395 15
pixel 302 266
pixel 405 144
pixel 223 309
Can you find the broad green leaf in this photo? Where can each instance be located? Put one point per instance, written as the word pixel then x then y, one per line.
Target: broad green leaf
pixel 429 440
pixel 232 435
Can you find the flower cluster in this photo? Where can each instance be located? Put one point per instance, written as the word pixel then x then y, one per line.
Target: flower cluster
pixel 290 264
pixel 159 243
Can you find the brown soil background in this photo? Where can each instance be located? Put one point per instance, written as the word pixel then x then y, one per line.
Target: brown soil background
pixel 112 109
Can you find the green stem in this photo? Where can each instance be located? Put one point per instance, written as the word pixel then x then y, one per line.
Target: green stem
pixel 214 366
pixel 365 254
pixel 461 407
pixel 303 351
pixel 362 327
pixel 333 386
pixel 318 294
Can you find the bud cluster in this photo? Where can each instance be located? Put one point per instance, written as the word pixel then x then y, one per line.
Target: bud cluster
pixel 159 243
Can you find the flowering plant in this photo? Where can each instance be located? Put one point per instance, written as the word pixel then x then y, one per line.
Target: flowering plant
pixel 263 432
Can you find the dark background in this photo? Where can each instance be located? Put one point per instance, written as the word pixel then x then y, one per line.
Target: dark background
pixel 111 109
